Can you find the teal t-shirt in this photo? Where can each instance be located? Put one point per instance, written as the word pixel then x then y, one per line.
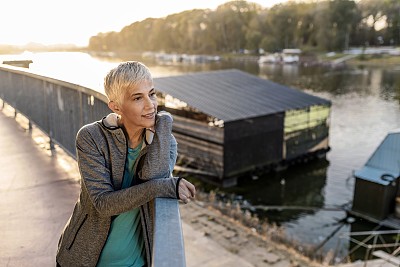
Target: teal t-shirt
pixel 125 245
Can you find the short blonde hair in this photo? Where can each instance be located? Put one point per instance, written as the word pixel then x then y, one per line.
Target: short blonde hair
pixel 125 75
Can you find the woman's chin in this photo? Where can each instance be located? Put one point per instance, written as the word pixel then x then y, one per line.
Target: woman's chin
pixel 149 126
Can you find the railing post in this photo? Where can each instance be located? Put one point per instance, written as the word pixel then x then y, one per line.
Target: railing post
pixel 51 143
pixel 367 253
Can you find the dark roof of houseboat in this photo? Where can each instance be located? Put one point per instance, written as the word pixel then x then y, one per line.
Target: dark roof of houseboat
pixel 232 95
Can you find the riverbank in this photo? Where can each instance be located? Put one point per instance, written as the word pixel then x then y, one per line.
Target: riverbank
pixel 375 60
pixel 324 59
pixel 306 59
pixel 242 241
pixel 378 60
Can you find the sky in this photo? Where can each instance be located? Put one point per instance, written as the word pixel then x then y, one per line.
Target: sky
pixel 52 22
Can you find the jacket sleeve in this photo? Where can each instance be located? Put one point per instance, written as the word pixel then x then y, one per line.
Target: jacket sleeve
pixel 173 154
pixel 96 180
pixel 161 153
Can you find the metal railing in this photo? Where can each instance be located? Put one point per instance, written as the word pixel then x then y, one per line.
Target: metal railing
pixel 60 109
pixel 370 242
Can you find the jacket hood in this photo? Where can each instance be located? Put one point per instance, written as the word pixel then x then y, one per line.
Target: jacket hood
pixel 111 123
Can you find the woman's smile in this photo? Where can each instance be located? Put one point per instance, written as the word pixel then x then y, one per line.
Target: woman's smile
pixel 150 115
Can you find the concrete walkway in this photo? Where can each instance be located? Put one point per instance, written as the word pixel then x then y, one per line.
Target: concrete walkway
pixel 38 191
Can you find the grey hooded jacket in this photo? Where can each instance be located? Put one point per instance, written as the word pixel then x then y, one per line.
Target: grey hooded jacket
pixel 101 154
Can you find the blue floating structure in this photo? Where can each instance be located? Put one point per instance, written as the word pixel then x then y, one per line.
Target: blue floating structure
pixel 376 186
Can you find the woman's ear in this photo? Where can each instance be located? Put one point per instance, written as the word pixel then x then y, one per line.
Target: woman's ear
pixel 114 107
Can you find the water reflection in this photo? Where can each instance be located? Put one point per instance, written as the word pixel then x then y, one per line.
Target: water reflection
pixel 77 67
pixel 290 71
pixel 282 189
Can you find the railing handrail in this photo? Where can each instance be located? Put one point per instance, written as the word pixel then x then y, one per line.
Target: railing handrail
pixel 165 254
pixel 80 88
pixel 384 232
pixel 59 109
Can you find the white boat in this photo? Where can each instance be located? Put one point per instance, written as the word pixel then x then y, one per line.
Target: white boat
pixel 288 56
pixel 270 58
pixel 290 59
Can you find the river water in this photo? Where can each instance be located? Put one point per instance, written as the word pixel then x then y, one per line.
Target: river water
pixel 365 106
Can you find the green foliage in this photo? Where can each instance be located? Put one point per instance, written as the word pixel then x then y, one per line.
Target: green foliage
pixel 330 25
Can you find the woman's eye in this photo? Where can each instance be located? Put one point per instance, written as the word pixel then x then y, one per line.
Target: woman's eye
pixel 137 98
pixel 153 95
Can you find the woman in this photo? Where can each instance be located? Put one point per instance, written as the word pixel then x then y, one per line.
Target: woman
pixel 125 161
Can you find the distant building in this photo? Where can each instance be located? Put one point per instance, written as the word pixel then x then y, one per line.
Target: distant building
pixel 229 123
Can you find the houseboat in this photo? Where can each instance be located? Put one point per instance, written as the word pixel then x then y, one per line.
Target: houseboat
pixel 377 184
pixel 229 123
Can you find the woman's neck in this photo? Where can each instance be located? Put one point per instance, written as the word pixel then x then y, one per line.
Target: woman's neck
pixel 134 135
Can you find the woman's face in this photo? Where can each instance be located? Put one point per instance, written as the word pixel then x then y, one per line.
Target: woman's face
pixel 139 106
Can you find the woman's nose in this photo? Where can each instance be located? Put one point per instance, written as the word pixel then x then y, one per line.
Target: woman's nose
pixel 149 103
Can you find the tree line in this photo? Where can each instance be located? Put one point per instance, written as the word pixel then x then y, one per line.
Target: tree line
pixel 329 25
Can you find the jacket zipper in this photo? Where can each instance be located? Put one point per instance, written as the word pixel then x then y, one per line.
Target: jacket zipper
pixel 142 213
pixel 111 218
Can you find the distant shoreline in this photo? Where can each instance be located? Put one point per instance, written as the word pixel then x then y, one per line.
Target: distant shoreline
pixel 381 60
pixel 310 59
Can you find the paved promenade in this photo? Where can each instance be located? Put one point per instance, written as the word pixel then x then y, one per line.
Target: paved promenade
pixel 38 191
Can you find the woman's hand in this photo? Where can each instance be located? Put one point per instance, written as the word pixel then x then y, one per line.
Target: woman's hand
pixel 186 191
